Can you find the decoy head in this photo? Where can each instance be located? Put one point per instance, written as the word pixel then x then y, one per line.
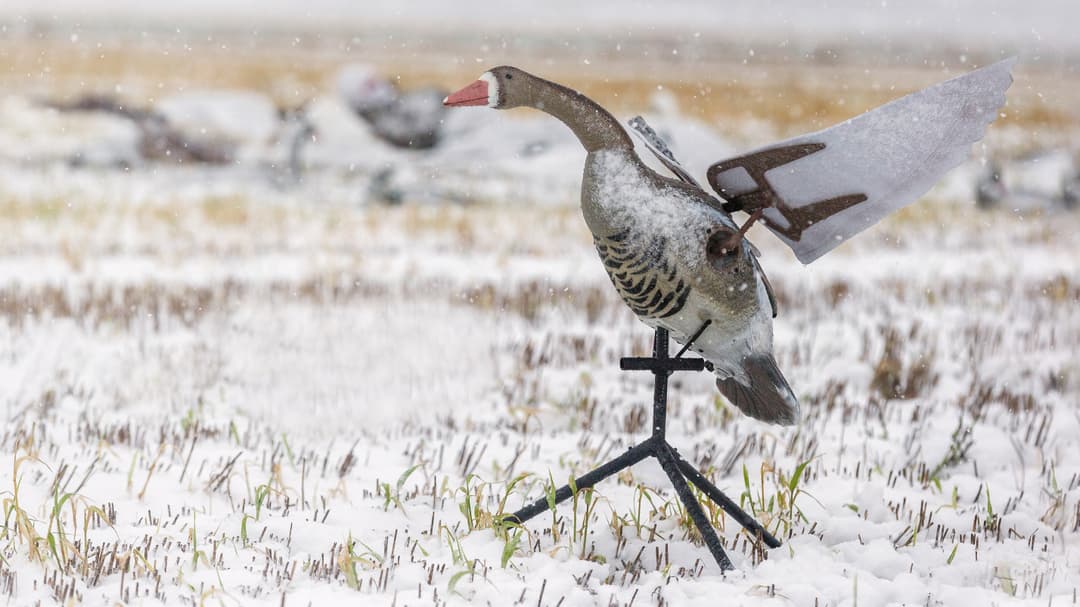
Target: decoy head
pixel 363 88
pixel 502 87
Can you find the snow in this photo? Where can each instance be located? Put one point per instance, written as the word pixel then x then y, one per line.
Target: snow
pixel 290 334
pixel 626 199
pixel 232 376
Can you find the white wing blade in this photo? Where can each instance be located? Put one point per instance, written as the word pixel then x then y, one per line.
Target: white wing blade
pixel 820 189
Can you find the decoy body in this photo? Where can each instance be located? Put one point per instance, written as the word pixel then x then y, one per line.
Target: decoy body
pixel 404 119
pixel 158 139
pixel 1040 179
pixel 673 251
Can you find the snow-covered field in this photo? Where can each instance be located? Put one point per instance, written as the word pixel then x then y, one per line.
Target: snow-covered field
pixel 234 385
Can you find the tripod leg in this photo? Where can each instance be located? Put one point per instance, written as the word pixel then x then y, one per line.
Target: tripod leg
pixel 634 455
pixel 716 495
pixel 693 508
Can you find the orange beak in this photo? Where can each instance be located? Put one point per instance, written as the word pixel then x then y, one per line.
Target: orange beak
pixel 474 94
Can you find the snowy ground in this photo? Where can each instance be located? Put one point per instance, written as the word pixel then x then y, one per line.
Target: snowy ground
pixel 226 387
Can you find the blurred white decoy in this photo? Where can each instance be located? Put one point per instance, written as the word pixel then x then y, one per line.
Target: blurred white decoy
pixel 406 119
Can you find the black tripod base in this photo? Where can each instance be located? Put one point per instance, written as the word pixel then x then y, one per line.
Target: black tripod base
pixel 678 470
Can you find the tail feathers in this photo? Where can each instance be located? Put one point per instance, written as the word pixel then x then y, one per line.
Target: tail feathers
pixel 768 397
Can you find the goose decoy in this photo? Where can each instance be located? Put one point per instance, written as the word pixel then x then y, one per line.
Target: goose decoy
pixel 295 132
pixel 1070 191
pixel 1036 180
pixel 158 139
pixel 236 123
pixel 676 256
pixel 404 119
pixel 989 189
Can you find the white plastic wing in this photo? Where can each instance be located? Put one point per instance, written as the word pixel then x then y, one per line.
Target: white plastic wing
pixel 820 189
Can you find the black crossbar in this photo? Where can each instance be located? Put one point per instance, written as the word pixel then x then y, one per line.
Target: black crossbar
pixel 662 364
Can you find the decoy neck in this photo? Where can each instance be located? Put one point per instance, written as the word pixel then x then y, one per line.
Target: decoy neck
pixel 507 87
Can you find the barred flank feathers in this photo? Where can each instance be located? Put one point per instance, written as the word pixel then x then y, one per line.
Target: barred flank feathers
pixel 644 277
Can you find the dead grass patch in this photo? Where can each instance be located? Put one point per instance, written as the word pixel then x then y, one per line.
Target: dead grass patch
pixel 792 97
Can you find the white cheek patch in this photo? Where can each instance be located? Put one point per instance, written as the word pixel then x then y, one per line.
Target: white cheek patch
pixel 493 88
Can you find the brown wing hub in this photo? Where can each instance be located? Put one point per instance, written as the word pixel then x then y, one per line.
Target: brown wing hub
pixel 719 252
pixel 764 196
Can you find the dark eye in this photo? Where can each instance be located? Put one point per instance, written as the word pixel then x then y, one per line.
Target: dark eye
pixel 509 76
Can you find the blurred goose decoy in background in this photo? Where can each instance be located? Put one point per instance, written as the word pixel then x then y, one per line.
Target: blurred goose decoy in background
pixel 405 119
pixel 158 139
pixel 989 190
pixel 241 122
pixel 1070 191
pixel 1037 180
pixel 286 166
